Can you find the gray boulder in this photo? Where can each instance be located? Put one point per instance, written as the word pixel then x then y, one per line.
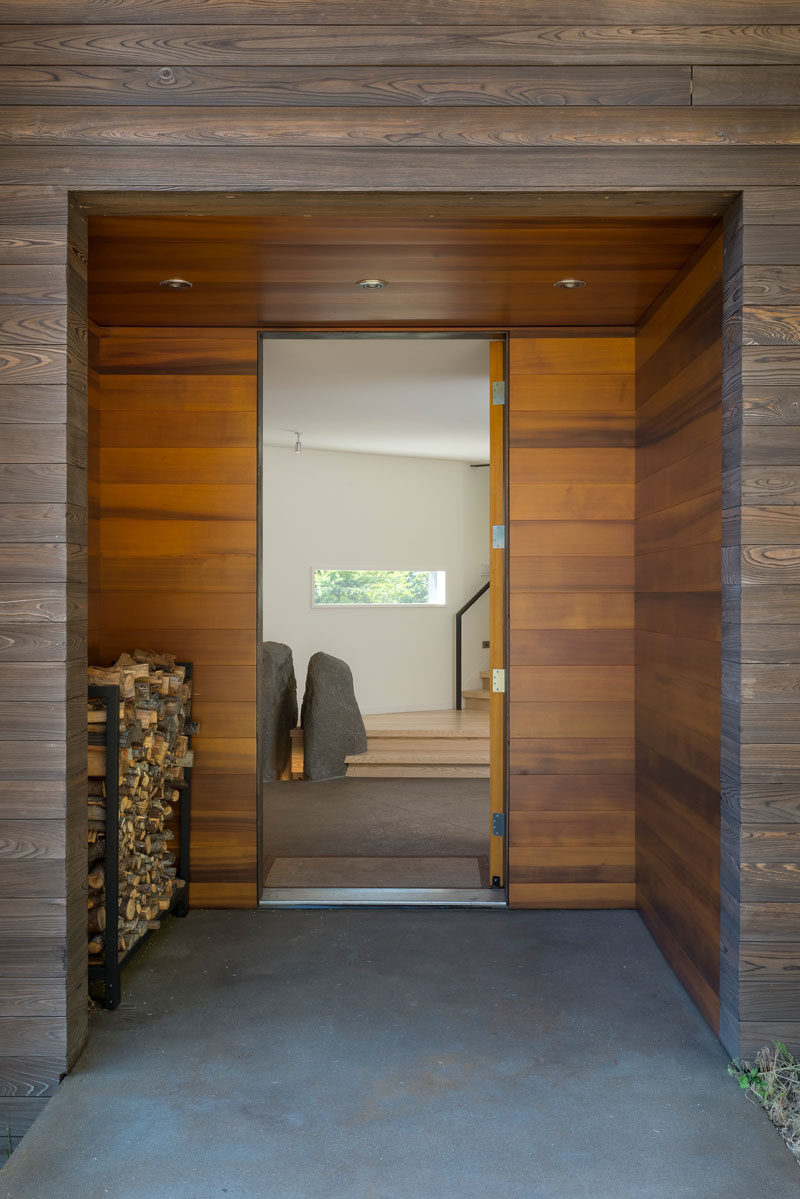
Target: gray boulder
pixel 278 709
pixel 331 720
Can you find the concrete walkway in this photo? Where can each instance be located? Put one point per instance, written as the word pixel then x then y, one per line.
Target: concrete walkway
pixel 401 1055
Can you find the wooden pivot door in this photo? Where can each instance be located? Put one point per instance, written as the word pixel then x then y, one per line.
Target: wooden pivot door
pixel 497 609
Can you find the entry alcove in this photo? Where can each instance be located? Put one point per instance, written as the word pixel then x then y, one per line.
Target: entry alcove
pixel 613 505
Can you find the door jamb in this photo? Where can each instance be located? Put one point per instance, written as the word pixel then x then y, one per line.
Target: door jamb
pixel 442 334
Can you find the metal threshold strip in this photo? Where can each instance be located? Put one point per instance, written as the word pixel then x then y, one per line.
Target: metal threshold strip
pixel 386 897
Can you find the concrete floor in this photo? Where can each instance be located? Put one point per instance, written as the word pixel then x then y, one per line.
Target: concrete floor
pixel 376 817
pixel 399 1054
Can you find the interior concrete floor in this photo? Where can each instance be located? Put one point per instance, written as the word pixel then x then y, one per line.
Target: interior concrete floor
pixel 396 1054
pixel 376 816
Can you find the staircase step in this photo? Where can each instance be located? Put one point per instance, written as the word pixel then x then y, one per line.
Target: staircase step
pixel 468 748
pixel 424 725
pixel 478 732
pixel 439 744
pixel 476 700
pixel 486 676
pixel 440 752
pixel 417 771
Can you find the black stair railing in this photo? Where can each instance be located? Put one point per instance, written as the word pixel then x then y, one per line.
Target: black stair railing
pixel 459 617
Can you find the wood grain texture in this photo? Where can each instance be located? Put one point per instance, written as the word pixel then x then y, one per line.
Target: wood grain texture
pixel 745 85
pixel 486 125
pixel 287 45
pixel 325 168
pixel 771 326
pixel 340 86
pixel 383 12
pixel 571 619
pixel 678 580
pixel 175 566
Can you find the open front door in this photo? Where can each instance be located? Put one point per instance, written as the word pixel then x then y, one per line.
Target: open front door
pixel 497 598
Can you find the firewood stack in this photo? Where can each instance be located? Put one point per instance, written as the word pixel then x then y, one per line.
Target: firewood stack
pixel 155 724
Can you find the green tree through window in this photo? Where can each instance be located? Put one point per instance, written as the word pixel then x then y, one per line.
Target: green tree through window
pixel 378 587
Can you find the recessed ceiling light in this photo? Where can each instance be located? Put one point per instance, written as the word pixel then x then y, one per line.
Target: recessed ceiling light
pixel 175 284
pixel 372 284
pixel 570 284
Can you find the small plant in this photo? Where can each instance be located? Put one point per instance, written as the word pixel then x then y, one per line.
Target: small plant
pixel 774 1081
pixel 10 1148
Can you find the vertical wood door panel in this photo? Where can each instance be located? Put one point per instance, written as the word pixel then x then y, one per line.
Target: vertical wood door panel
pixel 571 615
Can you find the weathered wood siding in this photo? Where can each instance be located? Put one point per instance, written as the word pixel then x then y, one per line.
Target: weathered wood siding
pixel 42 650
pixel 761 624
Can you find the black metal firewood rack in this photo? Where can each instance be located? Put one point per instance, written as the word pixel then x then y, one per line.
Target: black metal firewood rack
pixel 109 972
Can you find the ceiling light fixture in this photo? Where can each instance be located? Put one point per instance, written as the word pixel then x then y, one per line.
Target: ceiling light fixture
pixel 371 284
pixel 175 284
pixel 298 445
pixel 570 284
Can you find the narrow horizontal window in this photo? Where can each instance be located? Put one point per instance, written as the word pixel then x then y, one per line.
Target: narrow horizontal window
pixel 387 588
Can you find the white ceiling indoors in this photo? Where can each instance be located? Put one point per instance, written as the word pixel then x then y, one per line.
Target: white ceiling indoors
pixel 408 396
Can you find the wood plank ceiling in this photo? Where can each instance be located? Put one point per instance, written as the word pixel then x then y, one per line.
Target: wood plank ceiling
pixel 481 261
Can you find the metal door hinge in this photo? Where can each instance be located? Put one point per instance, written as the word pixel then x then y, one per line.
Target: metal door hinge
pixel 498 824
pixel 498 537
pixel 498 680
pixel 499 392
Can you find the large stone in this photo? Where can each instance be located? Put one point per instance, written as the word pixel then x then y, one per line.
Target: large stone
pixel 331 720
pixel 278 709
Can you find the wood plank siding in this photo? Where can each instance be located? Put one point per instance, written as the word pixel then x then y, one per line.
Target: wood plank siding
pixel 42 650
pixel 678 565
pixel 217 99
pixel 571 673
pixel 176 494
pixel 761 620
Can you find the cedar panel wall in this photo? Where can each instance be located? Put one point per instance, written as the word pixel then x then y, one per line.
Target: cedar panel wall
pixel 571 684
pixel 678 557
pixel 177 498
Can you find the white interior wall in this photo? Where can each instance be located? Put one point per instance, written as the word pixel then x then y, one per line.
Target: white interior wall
pixel 329 509
pixel 416 397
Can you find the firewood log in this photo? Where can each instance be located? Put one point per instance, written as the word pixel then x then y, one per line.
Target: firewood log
pixel 97 920
pixel 155 725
